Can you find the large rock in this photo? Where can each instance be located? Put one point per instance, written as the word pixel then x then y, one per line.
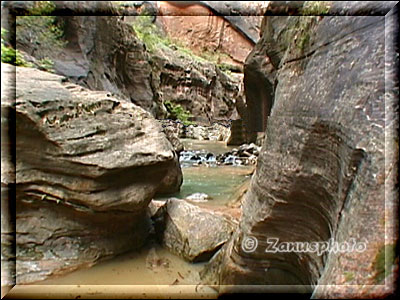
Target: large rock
pixel 191 232
pixel 83 158
pixel 176 130
pixel 325 170
pixel 7 184
pixel 216 132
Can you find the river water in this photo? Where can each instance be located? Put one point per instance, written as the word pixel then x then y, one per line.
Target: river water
pixel 221 183
pixel 135 268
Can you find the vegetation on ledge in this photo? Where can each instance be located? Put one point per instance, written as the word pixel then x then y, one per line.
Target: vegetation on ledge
pixel 10 55
pixel 41 33
pixel 177 112
pixel 315 8
pixel 154 38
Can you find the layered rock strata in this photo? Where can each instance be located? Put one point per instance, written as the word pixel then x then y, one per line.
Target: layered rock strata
pixel 104 53
pixel 87 165
pixel 322 172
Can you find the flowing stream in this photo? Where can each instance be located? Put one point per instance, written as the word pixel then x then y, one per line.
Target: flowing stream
pixel 221 183
pixel 152 264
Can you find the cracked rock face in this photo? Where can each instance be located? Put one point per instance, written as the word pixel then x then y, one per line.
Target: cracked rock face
pixel 87 165
pixel 321 173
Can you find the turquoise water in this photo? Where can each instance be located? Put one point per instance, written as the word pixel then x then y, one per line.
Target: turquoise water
pixel 221 183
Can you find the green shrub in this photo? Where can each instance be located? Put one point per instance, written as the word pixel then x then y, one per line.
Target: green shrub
pixel 46 64
pixel 10 55
pixel 149 33
pixel 177 112
pixel 39 31
pixel 315 8
pixel 41 8
pixel 154 38
pixel 40 34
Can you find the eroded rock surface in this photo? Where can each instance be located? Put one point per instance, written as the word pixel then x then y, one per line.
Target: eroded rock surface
pixel 104 53
pixel 176 130
pixel 200 87
pixel 322 171
pixel 209 26
pixel 87 165
pixel 191 232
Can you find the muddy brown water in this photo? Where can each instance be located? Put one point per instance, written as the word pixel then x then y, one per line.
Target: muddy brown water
pixel 153 265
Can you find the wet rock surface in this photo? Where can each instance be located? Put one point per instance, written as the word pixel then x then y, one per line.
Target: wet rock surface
pixel 82 159
pixel 191 232
pixel 244 155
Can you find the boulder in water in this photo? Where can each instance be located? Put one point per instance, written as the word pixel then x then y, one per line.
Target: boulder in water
pixel 191 232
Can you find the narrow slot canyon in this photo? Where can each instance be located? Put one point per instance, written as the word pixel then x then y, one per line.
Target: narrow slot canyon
pixel 199 149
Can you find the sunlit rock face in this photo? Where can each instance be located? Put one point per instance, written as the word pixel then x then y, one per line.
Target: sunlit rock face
pixel 200 27
pixel 325 162
pixel 87 165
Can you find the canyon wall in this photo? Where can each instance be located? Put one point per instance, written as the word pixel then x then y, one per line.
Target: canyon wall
pixel 104 53
pixel 316 85
pixel 198 28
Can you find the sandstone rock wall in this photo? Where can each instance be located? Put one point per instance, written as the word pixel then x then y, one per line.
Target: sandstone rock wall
pixel 103 53
pixel 87 165
pixel 198 28
pixel 323 171
pixel 199 87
